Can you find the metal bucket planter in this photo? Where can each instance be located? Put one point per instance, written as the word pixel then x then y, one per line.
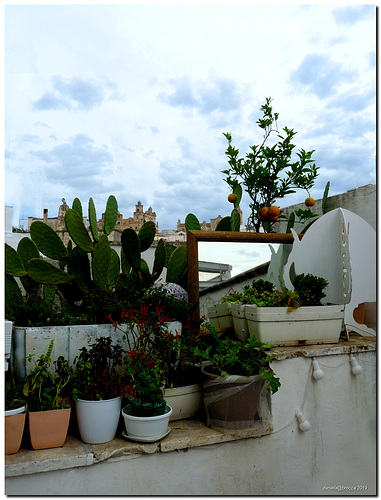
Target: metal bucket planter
pixel 304 325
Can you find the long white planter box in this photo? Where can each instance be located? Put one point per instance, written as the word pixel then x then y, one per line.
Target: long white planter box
pixel 305 325
pixel 220 316
pixel 239 320
pixel 68 340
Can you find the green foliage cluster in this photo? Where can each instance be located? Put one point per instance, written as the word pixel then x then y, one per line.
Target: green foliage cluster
pixel 43 389
pixel 84 282
pixel 97 372
pixel 230 357
pixel 14 397
pixel 308 291
pixel 269 173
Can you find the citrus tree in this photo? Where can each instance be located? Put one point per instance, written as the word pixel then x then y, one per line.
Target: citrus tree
pixel 269 173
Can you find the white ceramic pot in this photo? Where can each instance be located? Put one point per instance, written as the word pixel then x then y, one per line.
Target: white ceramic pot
pixel 185 401
pixel 98 420
pixel 304 325
pixel 146 427
pixel 15 411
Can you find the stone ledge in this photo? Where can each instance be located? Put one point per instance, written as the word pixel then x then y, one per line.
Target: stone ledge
pixel 355 344
pixel 184 434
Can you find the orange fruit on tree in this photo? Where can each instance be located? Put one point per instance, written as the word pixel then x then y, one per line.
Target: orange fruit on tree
pixel 309 202
pixel 272 219
pixel 262 214
pixel 273 211
pixel 232 198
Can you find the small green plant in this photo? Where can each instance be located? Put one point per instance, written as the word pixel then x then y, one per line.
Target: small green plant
pixel 14 397
pixel 43 389
pixel 97 372
pixel 310 289
pixel 237 358
pixel 269 173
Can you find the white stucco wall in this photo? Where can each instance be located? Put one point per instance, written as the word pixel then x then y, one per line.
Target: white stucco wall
pixel 338 451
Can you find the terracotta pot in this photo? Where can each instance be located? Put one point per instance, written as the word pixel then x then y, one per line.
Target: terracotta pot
pixel 14 429
pixel 48 429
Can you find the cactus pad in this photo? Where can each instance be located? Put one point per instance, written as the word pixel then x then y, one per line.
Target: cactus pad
pixel 177 265
pixel 27 250
pixel 131 248
pixel 13 262
pixel 192 223
pixel 77 206
pixel 93 220
pixel 146 235
pixel 47 240
pixel 43 272
pixel 111 214
pixel 77 230
pixel 101 261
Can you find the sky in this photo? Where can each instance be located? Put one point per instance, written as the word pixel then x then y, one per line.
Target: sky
pixel 133 100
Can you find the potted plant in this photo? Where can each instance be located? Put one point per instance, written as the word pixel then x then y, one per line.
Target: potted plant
pixel 98 388
pixel 147 414
pixel 152 336
pixel 237 379
pixel 48 413
pixel 294 317
pixel 14 415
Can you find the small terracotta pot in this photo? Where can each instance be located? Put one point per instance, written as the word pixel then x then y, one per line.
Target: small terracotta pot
pixel 14 429
pixel 48 429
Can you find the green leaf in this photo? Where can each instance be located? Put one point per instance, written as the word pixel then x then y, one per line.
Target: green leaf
pixel 77 206
pixel 13 262
pixel 111 214
pixel 192 223
pixel 47 240
pixel 77 230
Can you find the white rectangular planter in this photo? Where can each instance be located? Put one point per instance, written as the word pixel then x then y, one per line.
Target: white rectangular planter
pixel 220 316
pixel 305 325
pixel 239 321
pixel 68 340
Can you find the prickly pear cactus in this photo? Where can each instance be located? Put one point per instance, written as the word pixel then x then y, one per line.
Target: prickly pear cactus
pixel 111 215
pixel 77 230
pixel 114 269
pixel 235 220
pixel 192 223
pixel 131 248
pixel 43 272
pixel 101 261
pixel 77 206
pixel 146 235
pixel 224 224
pixel 79 267
pixel 13 262
pixel 159 260
pixel 27 250
pixel 177 265
pixel 47 241
pixel 93 220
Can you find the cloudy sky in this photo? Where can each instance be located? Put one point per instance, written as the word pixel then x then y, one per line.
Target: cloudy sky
pixel 133 100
